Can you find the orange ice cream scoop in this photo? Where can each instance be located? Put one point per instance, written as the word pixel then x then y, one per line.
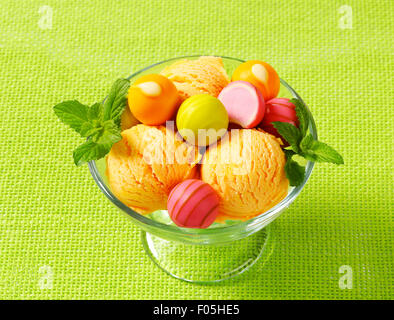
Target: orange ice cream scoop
pixel 246 169
pixel 261 75
pixel 153 99
pixel 205 75
pixel 146 164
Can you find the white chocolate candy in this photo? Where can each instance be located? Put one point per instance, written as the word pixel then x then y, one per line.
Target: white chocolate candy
pixel 260 72
pixel 150 88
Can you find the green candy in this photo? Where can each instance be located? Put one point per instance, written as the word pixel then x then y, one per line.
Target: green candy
pixel 202 119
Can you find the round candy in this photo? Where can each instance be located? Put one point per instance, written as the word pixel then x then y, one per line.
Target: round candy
pixel 153 99
pixel 202 119
pixel 244 103
pixel 193 204
pixel 261 75
pixel 278 109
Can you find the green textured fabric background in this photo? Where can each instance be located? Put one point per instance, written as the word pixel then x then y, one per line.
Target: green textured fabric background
pixel 53 217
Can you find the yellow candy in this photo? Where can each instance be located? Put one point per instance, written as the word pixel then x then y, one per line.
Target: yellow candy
pixel 202 119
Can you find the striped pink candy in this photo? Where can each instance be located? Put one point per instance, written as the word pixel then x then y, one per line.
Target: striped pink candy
pixel 193 204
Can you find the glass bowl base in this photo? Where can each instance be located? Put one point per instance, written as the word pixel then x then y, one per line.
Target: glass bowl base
pixel 208 263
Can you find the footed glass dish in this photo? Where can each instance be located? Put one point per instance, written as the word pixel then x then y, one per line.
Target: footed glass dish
pixel 223 250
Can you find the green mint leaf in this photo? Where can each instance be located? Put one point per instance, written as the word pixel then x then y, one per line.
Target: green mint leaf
pixel 116 101
pixel 303 144
pixel 72 113
pixel 302 115
pixel 288 153
pixel 294 172
pixel 99 144
pixel 306 142
pixel 289 132
pixel 100 123
pixel 321 152
pixel 94 125
pixel 109 133
pixel 90 128
pixel 90 151
pixel 317 151
pixel 96 112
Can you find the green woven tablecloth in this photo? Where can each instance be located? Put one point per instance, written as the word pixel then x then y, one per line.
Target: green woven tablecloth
pixel 56 224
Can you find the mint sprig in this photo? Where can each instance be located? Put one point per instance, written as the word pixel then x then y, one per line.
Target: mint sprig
pixel 302 143
pixel 294 171
pixel 290 133
pixel 115 103
pixel 100 123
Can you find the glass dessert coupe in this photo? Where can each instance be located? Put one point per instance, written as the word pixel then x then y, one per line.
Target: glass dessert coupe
pixel 223 250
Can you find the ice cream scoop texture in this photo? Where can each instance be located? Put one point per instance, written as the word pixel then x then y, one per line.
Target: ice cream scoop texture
pixel 203 75
pixel 146 164
pixel 246 169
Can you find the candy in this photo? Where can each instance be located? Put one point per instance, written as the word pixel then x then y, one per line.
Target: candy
pixel 244 103
pixel 202 119
pixel 153 99
pixel 278 109
pixel 261 75
pixel 193 204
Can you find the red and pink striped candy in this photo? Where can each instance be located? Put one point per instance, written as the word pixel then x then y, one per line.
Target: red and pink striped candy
pixel 278 109
pixel 193 204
